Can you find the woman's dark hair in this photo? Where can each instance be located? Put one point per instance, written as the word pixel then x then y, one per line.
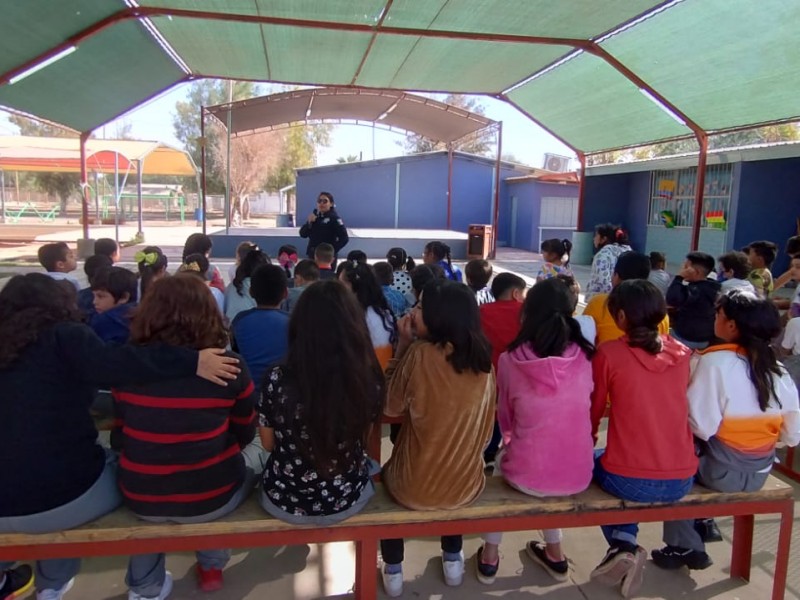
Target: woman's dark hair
pixel 370 295
pixel 441 252
pixel 738 262
pixel 547 322
pixel 252 260
pixel 196 264
pixel 30 304
pixel 450 313
pixel 151 263
pixel 557 247
pixel 357 256
pixel 644 307
pixel 329 196
pixel 197 243
pixel 758 322
pixel 614 234
pixel 658 260
pixel 179 311
pixel 399 259
pixel 334 380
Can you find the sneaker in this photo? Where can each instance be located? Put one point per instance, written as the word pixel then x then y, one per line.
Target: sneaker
pixel 675 557
pixel 618 562
pixel 557 569
pixel 209 580
pixel 17 582
pixel 453 570
pixel 55 594
pixel 708 530
pixel 392 583
pixel 485 571
pixel 166 588
pixel 633 580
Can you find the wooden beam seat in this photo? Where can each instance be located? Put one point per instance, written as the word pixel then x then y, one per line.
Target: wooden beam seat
pixel 500 508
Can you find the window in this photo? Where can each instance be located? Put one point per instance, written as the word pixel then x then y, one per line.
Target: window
pixel 672 197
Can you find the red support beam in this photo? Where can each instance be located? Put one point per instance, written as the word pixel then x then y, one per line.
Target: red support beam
pixel 84 186
pixel 581 190
pixel 702 140
pixel 372 41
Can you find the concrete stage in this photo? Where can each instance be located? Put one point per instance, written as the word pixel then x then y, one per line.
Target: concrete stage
pixel 374 242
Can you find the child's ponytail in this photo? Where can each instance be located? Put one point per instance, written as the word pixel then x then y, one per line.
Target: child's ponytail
pixel 644 308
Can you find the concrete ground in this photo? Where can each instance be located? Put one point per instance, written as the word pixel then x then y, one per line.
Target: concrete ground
pixel 327 571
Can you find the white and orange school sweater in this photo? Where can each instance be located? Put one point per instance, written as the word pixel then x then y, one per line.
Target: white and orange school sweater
pixel 723 405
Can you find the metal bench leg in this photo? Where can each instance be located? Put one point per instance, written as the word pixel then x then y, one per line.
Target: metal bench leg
pixel 742 551
pixel 782 555
pixel 366 587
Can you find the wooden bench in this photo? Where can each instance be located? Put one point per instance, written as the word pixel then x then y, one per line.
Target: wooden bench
pixel 499 508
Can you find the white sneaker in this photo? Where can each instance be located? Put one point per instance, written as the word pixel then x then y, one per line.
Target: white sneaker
pixel 453 570
pixel 55 594
pixel 165 591
pixel 392 583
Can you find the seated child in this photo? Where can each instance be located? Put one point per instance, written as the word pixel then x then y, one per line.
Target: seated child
pixel 187 451
pixel 306 272
pixel 761 254
pixel 357 256
pixel 200 243
pixel 544 384
pixel 691 297
pixel 629 266
pixel 402 264
pixel 152 264
pixel 396 300
pixel 649 454
pixel 114 290
pixel 316 409
pixel 107 247
pixel 500 320
pixel 438 253
pixel 555 253
pixel 59 261
pixel 439 383
pixel 237 294
pixel 324 256
pixel 742 402
pixel 198 264
pixel 478 273
pixel 241 251
pixel 658 275
pixel 260 334
pixel 86 297
pixel 792 249
pixel 287 258
pixel 586 323
pixel 734 268
pixel 794 271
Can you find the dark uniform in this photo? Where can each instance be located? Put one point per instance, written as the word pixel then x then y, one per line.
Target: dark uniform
pixel 327 228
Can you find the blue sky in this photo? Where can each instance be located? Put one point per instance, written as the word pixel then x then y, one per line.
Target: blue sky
pixel 521 137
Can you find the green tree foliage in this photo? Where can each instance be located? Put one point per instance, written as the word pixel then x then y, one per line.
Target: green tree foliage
pixel 62 185
pixel 350 158
pixel 299 150
pixel 480 143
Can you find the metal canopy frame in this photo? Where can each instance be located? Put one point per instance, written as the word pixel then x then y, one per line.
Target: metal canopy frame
pixel 382 27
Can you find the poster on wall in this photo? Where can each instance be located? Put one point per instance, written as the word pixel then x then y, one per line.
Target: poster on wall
pixel 666 189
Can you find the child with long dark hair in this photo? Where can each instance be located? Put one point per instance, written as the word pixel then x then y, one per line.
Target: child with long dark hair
pixel 381 322
pixel 742 403
pixel 402 264
pixel 443 385
pixel 641 379
pixel 544 384
pixel 438 253
pixel 200 243
pixel 152 265
pixel 237 294
pixel 186 452
pixel 555 253
pixel 198 265
pixel 610 241
pixel 316 410
pixel 58 476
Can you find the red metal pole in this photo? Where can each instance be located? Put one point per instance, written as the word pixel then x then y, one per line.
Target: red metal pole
pixel 581 190
pixel 496 214
pixel 449 184
pixel 203 164
pixel 702 140
pixel 84 186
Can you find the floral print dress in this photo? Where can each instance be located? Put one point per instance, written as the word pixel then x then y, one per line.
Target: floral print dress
pixel 602 268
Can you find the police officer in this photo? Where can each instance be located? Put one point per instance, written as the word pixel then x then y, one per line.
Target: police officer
pixel 324 225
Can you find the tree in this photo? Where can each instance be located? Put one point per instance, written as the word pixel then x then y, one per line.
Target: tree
pixel 350 158
pixel 186 121
pixel 299 150
pixel 478 143
pixel 61 185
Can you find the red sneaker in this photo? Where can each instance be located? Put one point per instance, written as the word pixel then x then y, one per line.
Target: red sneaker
pixel 210 580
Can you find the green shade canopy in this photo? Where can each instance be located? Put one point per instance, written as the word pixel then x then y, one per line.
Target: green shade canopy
pixel 590 71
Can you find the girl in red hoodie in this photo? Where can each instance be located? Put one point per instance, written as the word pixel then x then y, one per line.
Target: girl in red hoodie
pixel 649 455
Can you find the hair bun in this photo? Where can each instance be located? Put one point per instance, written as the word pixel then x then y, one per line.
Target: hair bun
pixel 619 233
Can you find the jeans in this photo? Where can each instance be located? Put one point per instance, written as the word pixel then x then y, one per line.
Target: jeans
pixel 636 490
pixel 393 551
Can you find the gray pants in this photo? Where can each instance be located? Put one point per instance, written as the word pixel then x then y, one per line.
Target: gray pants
pixel 715 476
pixel 146 572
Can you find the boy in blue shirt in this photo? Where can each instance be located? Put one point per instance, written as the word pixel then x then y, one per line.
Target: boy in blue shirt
pixel 114 290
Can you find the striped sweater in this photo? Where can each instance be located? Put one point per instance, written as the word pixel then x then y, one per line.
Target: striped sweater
pixel 180 443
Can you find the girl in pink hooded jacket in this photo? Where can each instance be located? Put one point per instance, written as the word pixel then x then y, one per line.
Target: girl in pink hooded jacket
pixel 544 385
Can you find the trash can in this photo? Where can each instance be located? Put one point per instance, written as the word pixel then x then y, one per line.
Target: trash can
pixel 198 215
pixel 284 220
pixel 479 241
pixel 582 247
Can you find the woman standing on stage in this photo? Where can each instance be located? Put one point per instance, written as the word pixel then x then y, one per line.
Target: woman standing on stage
pixel 324 225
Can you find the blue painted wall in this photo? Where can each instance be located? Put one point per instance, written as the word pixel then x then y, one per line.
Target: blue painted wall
pixel 768 204
pixel 606 200
pixel 529 196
